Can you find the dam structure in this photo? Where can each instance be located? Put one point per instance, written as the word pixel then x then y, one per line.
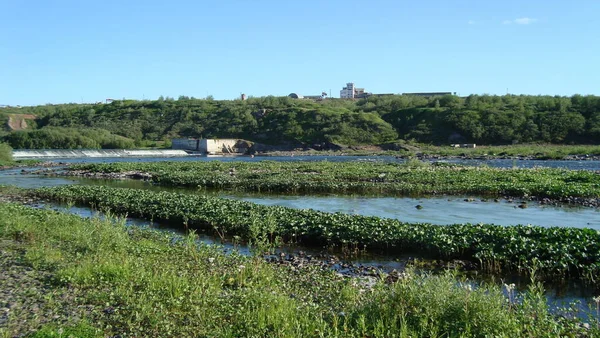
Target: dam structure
pixel 20 154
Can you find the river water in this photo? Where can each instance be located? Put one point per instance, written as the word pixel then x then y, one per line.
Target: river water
pixel 436 210
pixel 499 163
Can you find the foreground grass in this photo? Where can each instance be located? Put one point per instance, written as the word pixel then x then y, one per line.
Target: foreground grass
pixel 556 251
pixel 143 283
pixel 413 178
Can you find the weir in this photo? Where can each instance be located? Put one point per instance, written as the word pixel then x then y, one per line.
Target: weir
pixel 83 153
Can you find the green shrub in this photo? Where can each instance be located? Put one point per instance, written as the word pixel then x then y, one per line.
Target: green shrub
pixel 5 153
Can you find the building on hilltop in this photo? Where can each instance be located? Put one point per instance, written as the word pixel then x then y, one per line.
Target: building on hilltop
pixel 352 92
pixel 430 94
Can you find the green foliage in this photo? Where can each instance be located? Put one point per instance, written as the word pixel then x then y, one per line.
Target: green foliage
pixel 447 119
pixel 556 251
pixel 5 153
pixel 67 138
pixel 413 178
pixel 81 330
pixel 179 288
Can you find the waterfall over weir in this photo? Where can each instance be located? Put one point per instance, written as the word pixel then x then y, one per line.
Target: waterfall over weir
pixel 75 153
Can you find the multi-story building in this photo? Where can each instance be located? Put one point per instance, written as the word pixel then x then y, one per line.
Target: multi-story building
pixel 351 92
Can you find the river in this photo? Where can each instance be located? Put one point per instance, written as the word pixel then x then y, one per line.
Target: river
pixel 436 210
pixel 498 163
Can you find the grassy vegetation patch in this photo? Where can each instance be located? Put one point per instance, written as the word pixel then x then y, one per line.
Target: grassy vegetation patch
pixel 413 178
pixel 180 288
pixel 556 251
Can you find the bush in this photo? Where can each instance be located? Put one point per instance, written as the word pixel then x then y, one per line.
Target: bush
pixel 5 153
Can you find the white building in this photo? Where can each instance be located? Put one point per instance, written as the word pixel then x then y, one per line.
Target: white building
pixel 350 91
pixel 211 146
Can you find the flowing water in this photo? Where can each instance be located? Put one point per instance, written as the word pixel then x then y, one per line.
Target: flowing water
pixel 436 210
pixel 499 163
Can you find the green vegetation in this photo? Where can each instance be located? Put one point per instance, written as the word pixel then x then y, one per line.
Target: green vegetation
pixel 6 158
pixel 555 251
pixel 67 138
pixel 537 151
pixel 376 120
pixel 5 154
pixel 134 282
pixel 413 178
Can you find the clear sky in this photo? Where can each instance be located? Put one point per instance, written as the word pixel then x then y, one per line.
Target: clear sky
pixel 56 51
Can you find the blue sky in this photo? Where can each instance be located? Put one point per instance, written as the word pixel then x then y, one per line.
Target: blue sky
pixel 55 51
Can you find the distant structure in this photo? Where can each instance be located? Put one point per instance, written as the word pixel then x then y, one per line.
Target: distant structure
pixel 211 146
pixel 464 145
pixel 309 97
pixel 244 97
pixel 430 94
pixel 351 92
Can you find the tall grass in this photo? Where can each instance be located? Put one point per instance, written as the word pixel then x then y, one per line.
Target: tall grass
pixel 145 283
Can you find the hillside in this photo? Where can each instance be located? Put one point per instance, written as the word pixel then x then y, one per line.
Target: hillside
pixel 19 121
pixel 282 120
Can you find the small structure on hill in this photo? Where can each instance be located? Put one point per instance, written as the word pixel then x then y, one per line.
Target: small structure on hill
pixel 212 146
pixel 464 145
pixel 308 97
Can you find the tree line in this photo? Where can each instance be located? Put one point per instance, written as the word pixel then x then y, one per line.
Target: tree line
pixel 483 119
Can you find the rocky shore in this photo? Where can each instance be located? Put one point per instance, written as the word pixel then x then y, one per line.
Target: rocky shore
pixel 30 298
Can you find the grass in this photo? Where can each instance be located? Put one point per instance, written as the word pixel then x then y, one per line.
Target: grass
pixel 556 251
pixel 357 177
pixel 18 163
pixel 144 283
pixel 537 151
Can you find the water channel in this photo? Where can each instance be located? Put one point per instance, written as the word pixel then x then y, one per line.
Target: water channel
pixel 437 210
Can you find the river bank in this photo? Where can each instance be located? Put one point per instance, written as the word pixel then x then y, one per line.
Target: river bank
pixel 440 155
pixel 133 282
pixel 407 150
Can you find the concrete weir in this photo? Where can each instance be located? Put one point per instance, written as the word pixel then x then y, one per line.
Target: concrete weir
pixel 75 153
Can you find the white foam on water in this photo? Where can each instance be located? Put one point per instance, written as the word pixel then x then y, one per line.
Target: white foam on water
pixel 71 153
